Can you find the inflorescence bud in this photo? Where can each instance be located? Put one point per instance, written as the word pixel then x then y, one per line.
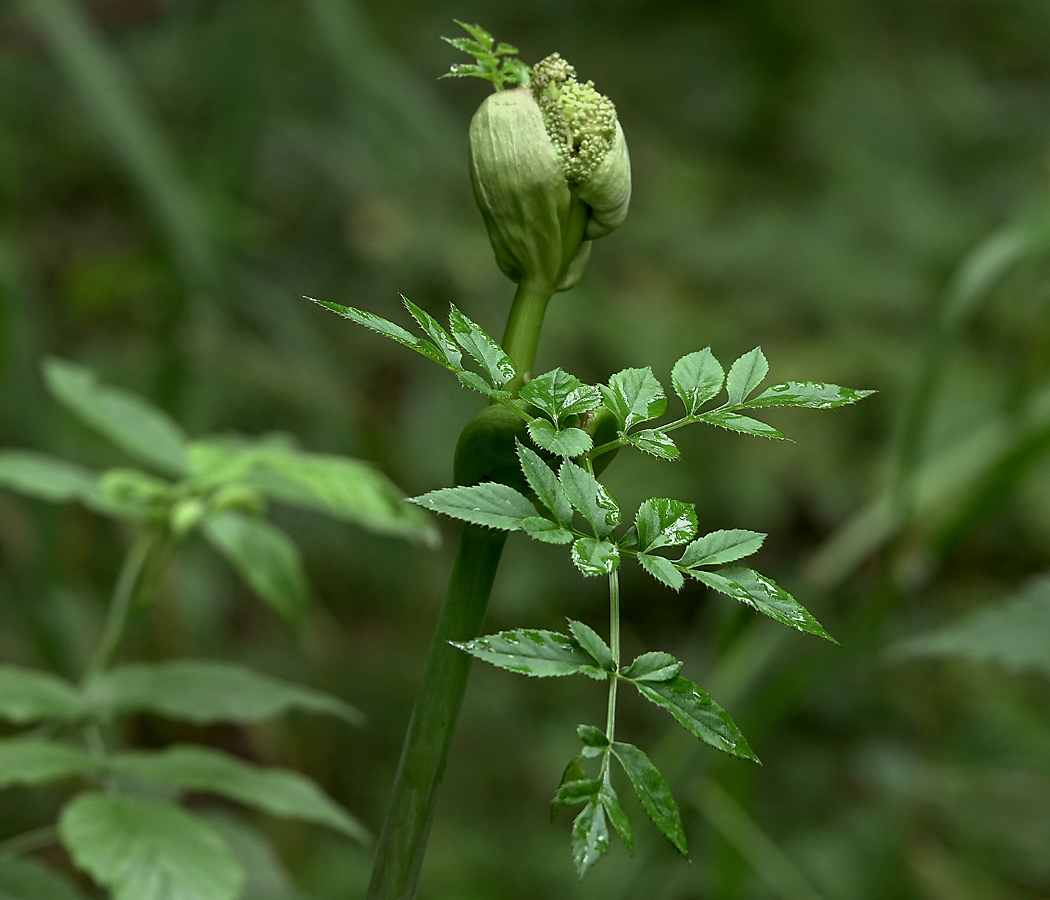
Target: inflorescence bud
pixel 550 170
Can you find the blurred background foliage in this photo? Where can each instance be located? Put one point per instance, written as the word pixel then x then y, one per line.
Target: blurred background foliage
pixel 858 187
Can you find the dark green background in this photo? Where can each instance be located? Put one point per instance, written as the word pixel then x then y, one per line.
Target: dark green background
pixel 807 176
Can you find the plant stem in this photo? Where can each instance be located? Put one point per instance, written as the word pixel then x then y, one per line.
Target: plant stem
pixel 120 605
pixel 403 841
pixel 614 645
pixel 28 841
pixel 523 329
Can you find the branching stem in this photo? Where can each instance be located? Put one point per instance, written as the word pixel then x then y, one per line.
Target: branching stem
pixel 124 593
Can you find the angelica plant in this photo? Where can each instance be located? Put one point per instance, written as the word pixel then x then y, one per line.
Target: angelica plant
pixel 551 173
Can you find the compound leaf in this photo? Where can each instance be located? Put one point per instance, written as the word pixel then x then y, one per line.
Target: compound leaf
pixel 449 353
pixel 653 791
pixel 764 595
pixel 545 530
pixel 590 498
pixel 697 378
pixel 489 503
pixel 653 666
pixel 808 395
pixel 743 424
pixel 721 547
pixel 745 375
pixel 593 644
pixel 697 713
pixel 484 349
pixel 655 443
pixel 594 557
pixel 590 837
pixel 533 652
pixel 662 570
pixel 545 483
pixel 635 395
pixel 565 442
pixel 662 522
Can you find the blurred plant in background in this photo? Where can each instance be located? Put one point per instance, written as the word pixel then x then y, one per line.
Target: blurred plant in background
pixel 173 176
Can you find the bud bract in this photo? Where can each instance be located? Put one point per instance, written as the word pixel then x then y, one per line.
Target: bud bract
pixel 550 171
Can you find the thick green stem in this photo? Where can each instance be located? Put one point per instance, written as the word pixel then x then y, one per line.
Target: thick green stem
pixel 403 841
pixel 523 327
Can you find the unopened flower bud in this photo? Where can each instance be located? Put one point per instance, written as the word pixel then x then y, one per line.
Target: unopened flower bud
pixel 550 171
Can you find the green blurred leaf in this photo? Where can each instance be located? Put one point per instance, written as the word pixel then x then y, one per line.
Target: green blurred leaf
pixel 124 418
pixel 47 477
pixel 24 879
pixel 484 349
pixel 697 713
pixel 653 791
pixel 33 761
pixel 266 558
pixel 532 652
pixel 593 644
pixel 590 498
pixel 27 695
pixel 697 378
pixel 559 394
pixel 745 375
pixel 567 442
pixel 590 837
pixel 205 692
pixel 347 489
pixel 446 347
pixel 141 848
pixel 1014 634
pixel 662 570
pixel 662 522
pixel 594 557
pixel 489 503
pixel 635 395
pixel 267 875
pixel 280 792
pixel 743 424
pixel 545 530
pixel 545 483
pixel 721 547
pixel 655 443
pixel 808 395
pixel 653 666
pixel 764 595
